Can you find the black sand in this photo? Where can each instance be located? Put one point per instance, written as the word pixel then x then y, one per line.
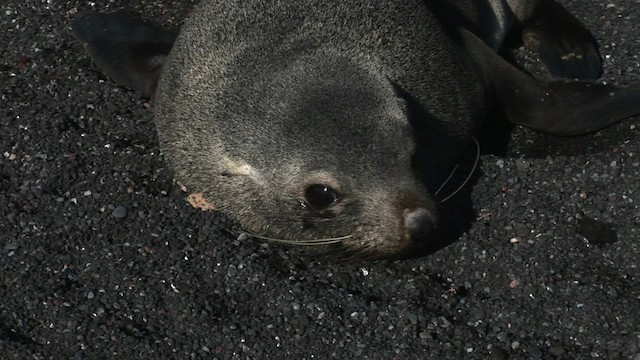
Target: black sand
pixel 102 257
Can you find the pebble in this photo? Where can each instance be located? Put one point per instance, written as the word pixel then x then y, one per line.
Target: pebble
pixel 498 354
pixel 11 246
pixel 119 212
pixel 557 350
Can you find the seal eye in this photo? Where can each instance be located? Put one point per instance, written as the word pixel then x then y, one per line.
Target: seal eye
pixel 320 196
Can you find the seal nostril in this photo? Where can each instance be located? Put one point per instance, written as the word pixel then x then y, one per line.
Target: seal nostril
pixel 418 223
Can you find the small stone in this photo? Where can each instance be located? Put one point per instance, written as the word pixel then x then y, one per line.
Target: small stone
pixel 119 212
pixel 497 353
pixel 11 246
pixel 557 351
pixel 535 353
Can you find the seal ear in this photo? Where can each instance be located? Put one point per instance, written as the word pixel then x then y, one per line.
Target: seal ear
pixel 557 107
pixel 124 48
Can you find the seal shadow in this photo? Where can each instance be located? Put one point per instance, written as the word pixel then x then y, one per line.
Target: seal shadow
pixel 501 138
pixel 453 198
pixel 457 214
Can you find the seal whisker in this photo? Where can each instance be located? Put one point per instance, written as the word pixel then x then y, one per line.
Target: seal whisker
pixel 446 181
pixel 312 242
pixel 473 169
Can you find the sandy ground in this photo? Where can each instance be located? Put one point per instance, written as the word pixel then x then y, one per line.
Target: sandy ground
pixel 102 257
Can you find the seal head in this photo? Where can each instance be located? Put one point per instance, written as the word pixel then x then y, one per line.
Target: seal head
pixel 329 156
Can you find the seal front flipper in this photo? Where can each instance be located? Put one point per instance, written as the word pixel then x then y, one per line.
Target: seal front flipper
pixel 124 48
pixel 558 107
pixel 563 44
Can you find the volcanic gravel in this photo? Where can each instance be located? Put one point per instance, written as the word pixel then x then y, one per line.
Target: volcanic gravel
pixel 101 256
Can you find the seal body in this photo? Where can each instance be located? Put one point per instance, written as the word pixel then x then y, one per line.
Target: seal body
pixel 332 123
pixel 305 93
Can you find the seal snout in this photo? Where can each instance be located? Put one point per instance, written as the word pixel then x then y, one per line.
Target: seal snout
pixel 417 218
pixel 418 223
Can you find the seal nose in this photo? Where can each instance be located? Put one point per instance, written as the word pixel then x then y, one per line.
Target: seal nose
pixel 419 223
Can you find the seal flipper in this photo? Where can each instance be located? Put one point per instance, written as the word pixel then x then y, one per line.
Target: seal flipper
pixel 571 108
pixel 557 107
pixel 562 42
pixel 124 48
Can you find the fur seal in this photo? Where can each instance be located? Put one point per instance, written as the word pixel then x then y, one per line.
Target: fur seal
pixel 324 122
